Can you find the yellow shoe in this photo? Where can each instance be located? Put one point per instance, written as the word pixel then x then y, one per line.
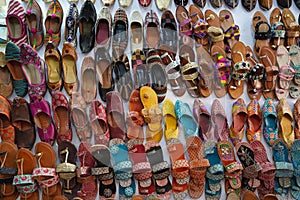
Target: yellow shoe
pixel 171 128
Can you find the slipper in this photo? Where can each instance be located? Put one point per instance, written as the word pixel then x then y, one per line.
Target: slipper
pixel 122 167
pixel 256 76
pixel 240 70
pixel 249 5
pixel 103 171
pixel 88 77
pixel 278 29
pixel 296 113
pixel 198 166
pixel 295 152
pixel 203 118
pixel 251 167
pixel 6 85
pixel 292 27
pixel 207 72
pixel 180 169
pixel 254 122
pixel 285 118
pixel 152 113
pixel 262 31
pixel 24 181
pixel 270 197
pixel 134 118
pixel 185 25
pixel 199 27
pixel 189 70
pixel 8 152
pixel 137 30
pixel 185 116
pixel 223 66
pixel 265 4
pixel 45 174
pixel 160 169
pixel 141 168
pixel 270 120
pixel 267 173
pixel 249 195
pixel 230 29
pixel 162 5
pixel 268 59
pixel 214 30
pixel 89 187
pixel 284 167
pixel 67 154
pixel 220 120
pixel 214 173
pixel 231 3
pixel 239 119
pixel 233 169
pixel 152 34
pixel 170 120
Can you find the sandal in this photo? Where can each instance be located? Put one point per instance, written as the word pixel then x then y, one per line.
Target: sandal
pixel 231 30
pixel 8 169
pixel 254 122
pixel 88 182
pixel 214 173
pixel 267 173
pixel 268 59
pixel 256 76
pixel 172 68
pixel 292 27
pixel 189 70
pixel 233 169
pixel 239 119
pixel 214 30
pixel 170 120
pixel 294 53
pixel 198 166
pixel 278 29
pixel 203 118
pixel 158 74
pixel 26 185
pixel 180 169
pixel 181 2
pixel 99 123
pixel 251 167
pixel 141 168
pixel 284 167
pixel 223 67
pixel 7 131
pixel 53 23
pixel 103 171
pixel 160 170
pixel 185 26
pixel 80 118
pixel 207 72
pixel 232 3
pixel 240 70
pixel 262 31
pixel 152 114
pixel 134 118
pixel 45 173
pixel 296 161
pixel 67 169
pixel 185 116
pixel 122 167
pixel 220 120
pixel 270 130
pixel 41 114
pixel 285 118
pixel 61 115
pixel 286 73
pixel 200 3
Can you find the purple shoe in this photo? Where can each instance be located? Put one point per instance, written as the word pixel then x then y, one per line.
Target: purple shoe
pixel 41 114
pixel 34 70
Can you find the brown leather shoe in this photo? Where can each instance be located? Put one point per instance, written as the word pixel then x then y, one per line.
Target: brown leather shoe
pixel 22 121
pixel 69 58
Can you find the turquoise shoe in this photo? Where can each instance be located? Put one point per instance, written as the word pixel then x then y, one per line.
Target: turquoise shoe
pixel 270 130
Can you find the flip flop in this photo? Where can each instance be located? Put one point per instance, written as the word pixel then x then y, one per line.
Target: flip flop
pixel 262 31
pixel 240 70
pixel 152 113
pixel 214 30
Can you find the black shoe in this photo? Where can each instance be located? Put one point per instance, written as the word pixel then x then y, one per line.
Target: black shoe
pixel 284 3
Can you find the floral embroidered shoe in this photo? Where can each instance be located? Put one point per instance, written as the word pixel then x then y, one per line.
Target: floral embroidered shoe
pixel 15 20
pixel 34 70
pixel 270 130
pixel 71 25
pixel 53 23
pixel 254 122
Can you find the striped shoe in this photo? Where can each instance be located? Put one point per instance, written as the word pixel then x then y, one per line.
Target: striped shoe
pixel 13 63
pixel 15 20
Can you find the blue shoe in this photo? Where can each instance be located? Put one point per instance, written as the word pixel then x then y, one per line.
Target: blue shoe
pixel 270 130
